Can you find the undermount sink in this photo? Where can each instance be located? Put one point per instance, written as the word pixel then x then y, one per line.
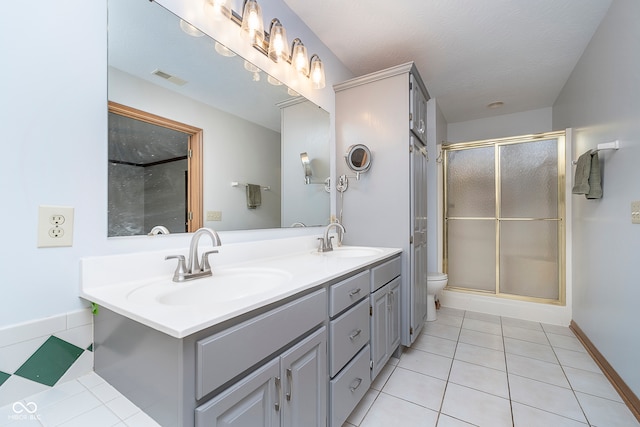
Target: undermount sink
pixel 224 286
pixel 350 252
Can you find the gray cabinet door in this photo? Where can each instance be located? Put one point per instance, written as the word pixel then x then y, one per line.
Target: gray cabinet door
pixel 394 315
pixel 379 330
pixel 418 251
pixel 252 402
pixel 418 111
pixel 304 382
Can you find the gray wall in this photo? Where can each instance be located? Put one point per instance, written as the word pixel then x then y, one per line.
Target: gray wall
pixel 601 102
pixel 506 125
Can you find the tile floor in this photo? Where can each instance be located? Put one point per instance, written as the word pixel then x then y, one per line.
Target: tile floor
pixel 466 369
pixel 472 369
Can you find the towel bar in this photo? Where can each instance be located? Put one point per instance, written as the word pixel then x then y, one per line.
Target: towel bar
pixel 237 184
pixel 613 145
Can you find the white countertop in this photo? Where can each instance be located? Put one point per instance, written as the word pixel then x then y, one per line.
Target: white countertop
pixel 109 281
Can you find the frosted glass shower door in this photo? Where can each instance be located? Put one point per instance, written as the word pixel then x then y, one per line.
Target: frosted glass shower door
pixel 504 210
pixel 471 222
pixel 529 218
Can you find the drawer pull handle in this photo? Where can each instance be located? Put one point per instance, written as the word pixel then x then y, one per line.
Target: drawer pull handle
pixel 290 381
pixel 355 291
pixel 355 334
pixel 277 379
pixel 354 385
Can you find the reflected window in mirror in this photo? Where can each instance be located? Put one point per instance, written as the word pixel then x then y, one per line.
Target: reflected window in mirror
pixel 153 179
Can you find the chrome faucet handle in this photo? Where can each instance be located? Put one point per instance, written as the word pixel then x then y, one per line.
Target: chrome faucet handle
pixel 205 260
pixel 321 248
pixel 181 269
pixel 329 244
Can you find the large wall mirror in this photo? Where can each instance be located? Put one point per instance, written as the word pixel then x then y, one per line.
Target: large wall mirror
pixel 251 128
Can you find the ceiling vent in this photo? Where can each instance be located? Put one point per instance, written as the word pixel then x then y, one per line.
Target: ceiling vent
pixel 173 79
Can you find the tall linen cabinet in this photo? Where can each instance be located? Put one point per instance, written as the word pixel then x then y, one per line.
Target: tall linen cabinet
pixel 387 206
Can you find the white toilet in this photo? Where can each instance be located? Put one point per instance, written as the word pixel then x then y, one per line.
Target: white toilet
pixel 435 283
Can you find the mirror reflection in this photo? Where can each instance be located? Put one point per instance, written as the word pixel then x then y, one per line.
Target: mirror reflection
pixel 252 129
pixel 358 158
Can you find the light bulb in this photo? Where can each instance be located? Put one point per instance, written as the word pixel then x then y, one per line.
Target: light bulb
pixel 252 26
pixel 217 9
pixel 317 73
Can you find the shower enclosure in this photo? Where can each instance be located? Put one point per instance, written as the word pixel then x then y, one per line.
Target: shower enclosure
pixel 504 217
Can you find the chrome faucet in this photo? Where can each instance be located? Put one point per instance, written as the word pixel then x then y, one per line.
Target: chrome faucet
pixel 325 242
pixel 158 229
pixel 193 268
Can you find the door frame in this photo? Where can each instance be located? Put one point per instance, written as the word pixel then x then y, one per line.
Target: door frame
pixel 195 154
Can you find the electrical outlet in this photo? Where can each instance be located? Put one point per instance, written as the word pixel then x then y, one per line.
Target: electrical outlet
pixel 635 212
pixel 55 226
pixel 214 216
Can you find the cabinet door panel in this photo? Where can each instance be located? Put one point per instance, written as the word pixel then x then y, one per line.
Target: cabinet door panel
pixel 379 335
pixel 394 315
pixel 418 111
pixel 248 403
pixel 304 374
pixel 418 251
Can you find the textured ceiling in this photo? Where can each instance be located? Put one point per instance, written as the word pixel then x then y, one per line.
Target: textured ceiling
pixel 469 52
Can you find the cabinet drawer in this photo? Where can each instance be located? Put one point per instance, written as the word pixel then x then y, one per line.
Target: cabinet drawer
pixel 348 388
pixel 384 273
pixel 222 356
pixel 347 292
pixel 348 334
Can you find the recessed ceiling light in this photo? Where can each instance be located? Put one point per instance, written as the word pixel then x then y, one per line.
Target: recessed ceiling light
pixel 496 104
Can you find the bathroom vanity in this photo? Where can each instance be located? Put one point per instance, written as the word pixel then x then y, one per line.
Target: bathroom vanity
pixel 302 353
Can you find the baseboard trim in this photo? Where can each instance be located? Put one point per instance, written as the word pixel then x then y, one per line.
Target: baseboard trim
pixel 618 383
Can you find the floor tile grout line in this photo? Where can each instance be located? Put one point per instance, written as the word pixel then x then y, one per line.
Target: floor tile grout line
pixel 506 367
pixel 453 357
pixel 573 391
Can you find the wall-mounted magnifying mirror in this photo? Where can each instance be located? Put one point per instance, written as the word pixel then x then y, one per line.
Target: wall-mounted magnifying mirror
pixel 358 158
pixel 306 166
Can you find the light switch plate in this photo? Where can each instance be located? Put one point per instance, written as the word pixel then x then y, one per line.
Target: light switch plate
pixel 55 226
pixel 214 216
pixel 635 212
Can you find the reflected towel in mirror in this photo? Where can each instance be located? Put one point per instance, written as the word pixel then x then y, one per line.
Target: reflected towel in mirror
pixel 254 196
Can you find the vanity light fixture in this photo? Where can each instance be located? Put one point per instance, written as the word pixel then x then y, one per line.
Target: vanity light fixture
pixel 299 57
pixel 292 92
pixel 218 10
pixel 274 45
pixel 252 27
pixel 278 43
pixel 317 72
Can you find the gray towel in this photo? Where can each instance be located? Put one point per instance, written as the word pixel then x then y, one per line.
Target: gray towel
pixel 587 179
pixel 254 196
pixel 595 180
pixel 583 169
